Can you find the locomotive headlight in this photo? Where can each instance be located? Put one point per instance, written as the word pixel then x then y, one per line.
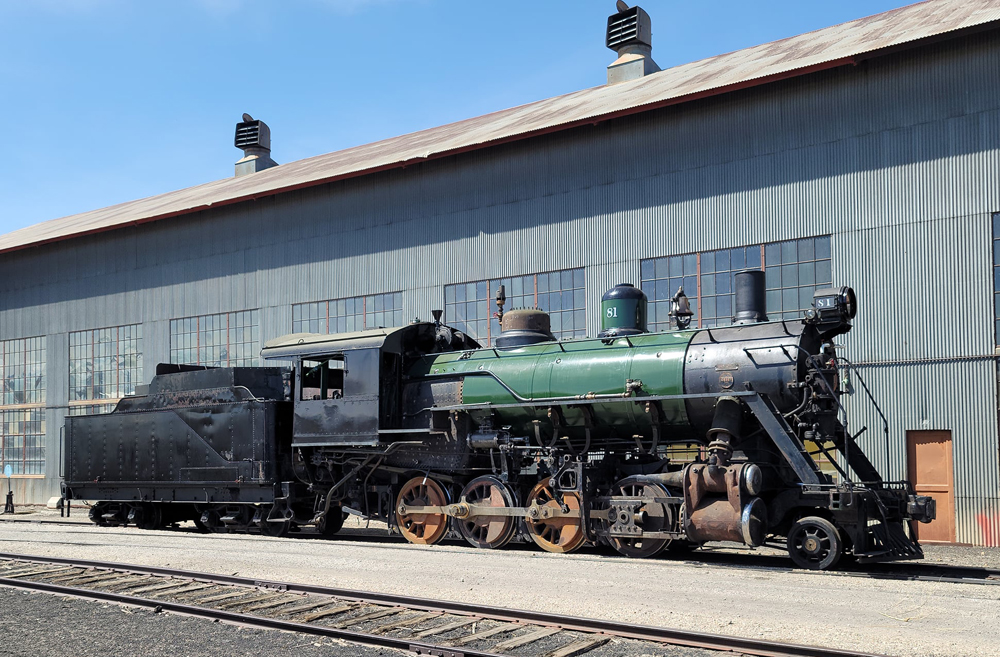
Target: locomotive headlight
pixel 833 309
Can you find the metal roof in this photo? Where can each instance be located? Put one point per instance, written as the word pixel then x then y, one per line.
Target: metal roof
pixel 830 47
pixel 299 344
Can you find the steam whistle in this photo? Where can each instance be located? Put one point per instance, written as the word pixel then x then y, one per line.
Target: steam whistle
pixel 501 300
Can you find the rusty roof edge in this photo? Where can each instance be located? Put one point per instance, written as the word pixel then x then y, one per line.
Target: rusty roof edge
pixel 594 119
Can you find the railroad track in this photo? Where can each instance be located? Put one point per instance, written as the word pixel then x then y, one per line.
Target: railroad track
pixel 417 625
pixel 911 571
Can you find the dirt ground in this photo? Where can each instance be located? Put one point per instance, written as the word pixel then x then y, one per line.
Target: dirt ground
pixel 777 603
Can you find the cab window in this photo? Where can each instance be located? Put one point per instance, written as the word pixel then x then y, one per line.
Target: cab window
pixel 322 378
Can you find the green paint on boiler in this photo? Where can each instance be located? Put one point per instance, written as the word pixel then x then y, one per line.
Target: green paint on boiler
pixel 569 369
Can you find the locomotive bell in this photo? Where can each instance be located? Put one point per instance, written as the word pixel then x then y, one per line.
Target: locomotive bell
pixel 680 310
pixel 623 311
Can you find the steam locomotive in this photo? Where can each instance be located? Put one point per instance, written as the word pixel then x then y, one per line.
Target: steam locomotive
pixel 643 441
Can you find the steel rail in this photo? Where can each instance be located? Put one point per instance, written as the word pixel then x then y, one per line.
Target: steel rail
pixel 906 571
pixel 748 646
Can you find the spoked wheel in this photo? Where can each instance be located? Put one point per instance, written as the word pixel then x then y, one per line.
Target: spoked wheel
pixel 146 516
pixel 96 514
pixel 486 531
pixel 422 528
pixel 650 517
pixel 332 522
pixel 275 527
pixel 814 543
pixel 209 521
pixel 554 534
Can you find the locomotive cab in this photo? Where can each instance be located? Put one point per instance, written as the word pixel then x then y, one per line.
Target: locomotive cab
pixel 345 389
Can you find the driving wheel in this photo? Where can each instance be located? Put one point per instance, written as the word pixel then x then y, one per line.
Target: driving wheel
pixel 483 530
pixel 649 516
pixel 421 528
pixel 554 533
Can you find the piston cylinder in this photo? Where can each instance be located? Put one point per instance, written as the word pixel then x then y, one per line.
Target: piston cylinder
pixel 717 520
pixel 721 503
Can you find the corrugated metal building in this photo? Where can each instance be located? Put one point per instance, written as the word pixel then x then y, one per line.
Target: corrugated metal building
pixel 864 154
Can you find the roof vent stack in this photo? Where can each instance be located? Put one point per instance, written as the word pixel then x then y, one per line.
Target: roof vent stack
pixel 254 137
pixel 630 34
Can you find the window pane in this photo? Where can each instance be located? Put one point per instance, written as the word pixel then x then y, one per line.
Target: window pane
pixel 772 254
pixel 823 273
pixel 737 259
pixel 807 273
pixel 788 252
pixel 807 250
pixel 823 247
pixel 708 262
pixel 708 284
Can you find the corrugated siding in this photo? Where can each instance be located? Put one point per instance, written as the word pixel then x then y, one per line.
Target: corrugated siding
pixel 952 396
pixel 896 158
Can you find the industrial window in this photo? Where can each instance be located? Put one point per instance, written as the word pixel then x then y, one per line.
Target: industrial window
pixel 717 277
pixel 22 406
pixel 104 364
pixel 794 270
pixel 661 278
pixel 223 340
pixel 471 306
pixel 351 314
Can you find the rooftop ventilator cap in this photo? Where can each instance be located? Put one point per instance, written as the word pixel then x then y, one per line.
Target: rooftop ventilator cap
pixel 254 137
pixel 630 34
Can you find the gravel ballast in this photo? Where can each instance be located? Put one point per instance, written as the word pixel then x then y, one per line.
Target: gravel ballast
pixel 56 626
pixel 874 615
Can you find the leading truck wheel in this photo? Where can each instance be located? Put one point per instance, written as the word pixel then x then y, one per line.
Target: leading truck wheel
pixel 332 522
pixel 814 543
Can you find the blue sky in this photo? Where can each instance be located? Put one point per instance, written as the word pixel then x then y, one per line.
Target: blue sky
pixel 105 101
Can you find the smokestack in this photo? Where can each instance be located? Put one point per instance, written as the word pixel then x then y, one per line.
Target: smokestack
pixel 254 137
pixel 630 34
pixel 751 297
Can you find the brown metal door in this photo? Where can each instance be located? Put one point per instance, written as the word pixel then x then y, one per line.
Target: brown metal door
pixel 929 466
